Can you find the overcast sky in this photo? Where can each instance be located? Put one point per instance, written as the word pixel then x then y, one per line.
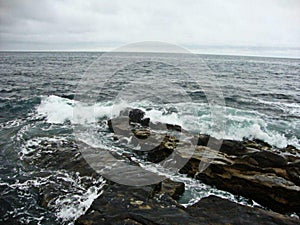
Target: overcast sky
pixel 199 25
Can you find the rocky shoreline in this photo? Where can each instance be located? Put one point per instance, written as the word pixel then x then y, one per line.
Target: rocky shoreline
pixel 250 168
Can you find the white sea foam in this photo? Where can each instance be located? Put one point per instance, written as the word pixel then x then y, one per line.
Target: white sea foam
pixel 291 108
pixel 73 202
pixel 72 206
pixel 191 116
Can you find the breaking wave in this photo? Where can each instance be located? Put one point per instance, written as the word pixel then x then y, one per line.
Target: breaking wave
pixel 194 117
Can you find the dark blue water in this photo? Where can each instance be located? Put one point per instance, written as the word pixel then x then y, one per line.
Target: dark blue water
pixel 37 90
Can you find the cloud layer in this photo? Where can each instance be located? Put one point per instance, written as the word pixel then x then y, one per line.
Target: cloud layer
pixel 105 24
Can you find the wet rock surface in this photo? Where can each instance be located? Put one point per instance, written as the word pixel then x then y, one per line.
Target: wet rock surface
pixel 146 205
pixel 257 173
pixel 249 168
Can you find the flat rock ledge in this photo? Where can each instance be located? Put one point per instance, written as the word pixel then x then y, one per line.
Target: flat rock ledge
pixel 148 206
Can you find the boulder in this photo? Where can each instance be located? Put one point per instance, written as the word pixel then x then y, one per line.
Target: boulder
pixel 137 116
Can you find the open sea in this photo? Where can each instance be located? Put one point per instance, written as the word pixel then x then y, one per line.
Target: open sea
pixel 38 95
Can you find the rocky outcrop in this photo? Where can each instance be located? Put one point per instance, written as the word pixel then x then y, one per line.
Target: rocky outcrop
pixel 148 206
pixel 155 204
pixel 259 174
pixel 250 168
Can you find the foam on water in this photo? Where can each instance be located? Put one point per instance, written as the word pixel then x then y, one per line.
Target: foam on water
pixel 291 108
pixel 77 192
pixel 194 117
pixel 72 206
pixel 67 207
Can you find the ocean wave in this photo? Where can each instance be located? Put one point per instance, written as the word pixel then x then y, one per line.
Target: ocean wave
pixel 194 117
pixel 290 108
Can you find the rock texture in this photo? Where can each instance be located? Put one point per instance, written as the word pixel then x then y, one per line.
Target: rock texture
pixel 250 168
pixel 255 172
pixel 148 206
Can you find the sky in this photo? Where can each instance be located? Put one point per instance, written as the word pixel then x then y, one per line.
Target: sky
pixel 204 26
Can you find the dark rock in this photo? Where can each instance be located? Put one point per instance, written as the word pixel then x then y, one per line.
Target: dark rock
pixel 268 190
pixel 226 146
pixel 145 122
pixel 256 143
pixel 110 126
pixel 262 143
pixel 120 203
pixel 172 188
pixel 131 205
pixel 260 175
pixel 203 139
pixel 64 155
pixel 173 127
pixel 119 126
pixel 191 168
pixel 164 150
pixel 250 168
pixel 293 171
pixel 221 211
pixel 268 159
pixel 232 147
pixel 136 115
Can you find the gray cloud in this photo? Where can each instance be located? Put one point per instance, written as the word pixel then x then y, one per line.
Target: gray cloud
pixel 105 24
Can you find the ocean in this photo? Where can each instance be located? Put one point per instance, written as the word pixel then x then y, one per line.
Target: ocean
pixel 39 92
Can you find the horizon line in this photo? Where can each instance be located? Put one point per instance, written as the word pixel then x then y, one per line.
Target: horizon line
pixel 162 52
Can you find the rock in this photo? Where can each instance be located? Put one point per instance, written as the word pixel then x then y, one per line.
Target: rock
pixel 293 171
pixel 257 144
pixel 226 146
pixel 232 147
pixel 268 190
pixel 221 211
pixel 120 203
pixel 138 205
pixel 172 188
pixel 119 126
pixel 142 133
pixel 267 159
pixel 203 139
pixel 262 176
pixel 64 155
pixel 250 168
pixel 136 115
pixel 173 127
pixel 110 126
pixel 164 150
